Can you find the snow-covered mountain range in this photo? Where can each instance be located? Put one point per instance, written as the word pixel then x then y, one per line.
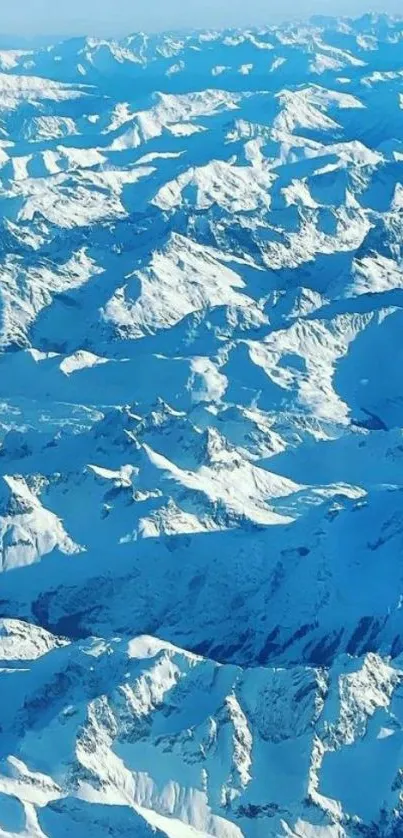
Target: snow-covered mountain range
pixel 201 446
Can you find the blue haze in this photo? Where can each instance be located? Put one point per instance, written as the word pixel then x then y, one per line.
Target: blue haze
pixel 38 18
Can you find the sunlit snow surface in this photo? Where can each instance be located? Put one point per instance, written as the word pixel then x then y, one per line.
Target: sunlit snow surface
pixel 201 447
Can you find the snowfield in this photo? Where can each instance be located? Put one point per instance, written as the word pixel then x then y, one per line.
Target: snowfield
pixel 201 434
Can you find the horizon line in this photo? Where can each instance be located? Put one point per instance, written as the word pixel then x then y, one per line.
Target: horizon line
pixel 276 20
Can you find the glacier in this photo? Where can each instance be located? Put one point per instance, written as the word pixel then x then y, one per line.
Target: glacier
pixel 201 434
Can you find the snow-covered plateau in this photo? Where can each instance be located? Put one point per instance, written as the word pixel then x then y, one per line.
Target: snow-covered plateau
pixel 201 434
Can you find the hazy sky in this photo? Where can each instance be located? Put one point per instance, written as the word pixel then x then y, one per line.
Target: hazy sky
pixel 99 17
